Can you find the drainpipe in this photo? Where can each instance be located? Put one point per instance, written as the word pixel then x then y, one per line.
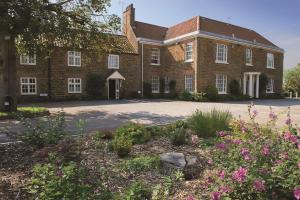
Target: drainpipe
pixel 142 69
pixel 196 65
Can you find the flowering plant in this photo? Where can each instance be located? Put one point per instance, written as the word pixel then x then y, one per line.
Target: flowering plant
pixel 256 161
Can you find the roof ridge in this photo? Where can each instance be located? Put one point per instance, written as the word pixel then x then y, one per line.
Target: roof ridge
pixel 182 22
pixel 152 24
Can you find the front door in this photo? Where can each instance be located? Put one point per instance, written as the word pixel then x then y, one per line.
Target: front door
pixel 117 89
pixel 112 89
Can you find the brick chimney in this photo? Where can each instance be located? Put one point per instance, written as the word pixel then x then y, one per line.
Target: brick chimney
pixel 128 18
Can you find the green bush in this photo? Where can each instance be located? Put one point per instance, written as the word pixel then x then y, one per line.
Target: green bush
pixel 199 96
pixel 44 131
pixel 135 132
pixel 235 88
pixel 141 163
pixel 156 131
pixel 186 96
pixel 178 136
pixel 212 93
pixel 206 124
pixel 94 85
pixel 137 191
pixel 25 112
pixel 122 146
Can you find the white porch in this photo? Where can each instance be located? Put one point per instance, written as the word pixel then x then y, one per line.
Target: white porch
pixel 114 84
pixel 251 84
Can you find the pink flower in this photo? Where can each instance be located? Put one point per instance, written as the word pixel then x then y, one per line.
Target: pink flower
pixel 223 133
pixel 294 139
pixel 298 145
pixel 265 150
pixel 254 113
pixel 222 174
pixel 288 121
pixel 245 153
pixel 244 129
pixel 290 137
pixel 240 175
pixel 216 196
pixel 298 165
pixel 284 156
pixel 237 142
pixel 272 116
pixel 225 189
pixel 195 139
pixel 221 146
pixel 190 197
pixel 259 185
pixel 210 161
pixel 297 193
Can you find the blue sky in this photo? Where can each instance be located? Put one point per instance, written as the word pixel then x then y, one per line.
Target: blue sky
pixel 277 20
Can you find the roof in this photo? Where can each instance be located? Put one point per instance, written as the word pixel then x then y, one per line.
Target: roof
pixel 120 44
pixel 198 23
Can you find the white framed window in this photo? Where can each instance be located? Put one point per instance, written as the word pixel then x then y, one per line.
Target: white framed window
pixel 74 58
pixel 113 61
pixel 270 61
pixel 270 86
pixel 74 85
pixel 155 84
pixel 221 53
pixel 189 52
pixel 221 83
pixel 28 85
pixel 155 56
pixel 249 57
pixel 188 83
pixel 167 86
pixel 28 60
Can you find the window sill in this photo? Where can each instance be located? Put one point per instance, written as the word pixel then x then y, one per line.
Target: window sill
pixel 74 92
pixel 74 65
pixel 154 64
pixel 222 92
pixel 155 92
pixel 28 94
pixel 270 67
pixel 113 68
pixel 28 64
pixel 270 92
pixel 189 61
pixel 221 62
pixel 249 65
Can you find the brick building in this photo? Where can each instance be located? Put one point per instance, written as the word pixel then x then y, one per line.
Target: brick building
pixel 195 53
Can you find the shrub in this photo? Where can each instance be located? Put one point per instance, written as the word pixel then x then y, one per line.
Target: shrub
pixel 199 96
pixel 235 88
pixel 147 90
pixel 178 136
pixel 256 161
pixel 141 163
pixel 25 112
pixel 156 131
pixel 58 180
pixel 212 93
pixel 137 191
pixel 94 85
pixel 44 132
pixel 186 96
pixel 135 132
pixel 122 146
pixel 206 124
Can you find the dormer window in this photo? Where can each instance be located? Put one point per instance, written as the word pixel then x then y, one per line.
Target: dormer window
pixel 221 54
pixel 28 60
pixel 74 58
pixel 270 61
pixel 155 56
pixel 249 57
pixel 189 52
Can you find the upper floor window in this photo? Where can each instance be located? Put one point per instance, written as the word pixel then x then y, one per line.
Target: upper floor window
pixel 270 60
pixel 28 86
pixel 113 61
pixel 221 83
pixel 28 60
pixel 167 84
pixel 249 57
pixel 155 84
pixel 221 53
pixel 74 85
pixel 188 86
pixel 155 56
pixel 189 52
pixel 74 58
pixel 270 86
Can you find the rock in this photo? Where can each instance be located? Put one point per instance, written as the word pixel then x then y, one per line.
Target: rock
pixel 193 168
pixel 176 159
pixel 191 160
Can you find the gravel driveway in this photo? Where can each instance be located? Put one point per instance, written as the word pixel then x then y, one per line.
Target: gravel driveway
pixel 111 114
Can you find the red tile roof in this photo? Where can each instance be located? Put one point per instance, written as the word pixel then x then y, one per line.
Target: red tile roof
pixel 198 23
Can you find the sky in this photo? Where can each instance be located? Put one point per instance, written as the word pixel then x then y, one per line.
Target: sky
pixel 277 20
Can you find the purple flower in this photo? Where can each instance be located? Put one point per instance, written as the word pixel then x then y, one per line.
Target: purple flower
pixel 245 153
pixel 223 133
pixel 290 137
pixel 59 173
pixel 265 150
pixel 288 121
pixel 225 189
pixel 297 193
pixel 254 113
pixel 240 174
pixel 272 116
pixel 237 142
pixel 222 174
pixel 221 146
pixel 216 196
pixel 298 165
pixel 210 161
pixel 259 185
pixel 244 129
pixel 190 197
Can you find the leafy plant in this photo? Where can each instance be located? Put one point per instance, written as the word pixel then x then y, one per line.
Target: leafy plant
pixel 135 132
pixel 122 146
pixel 199 96
pixel 44 132
pixel 141 163
pixel 212 93
pixel 178 136
pixel 186 96
pixel 235 88
pixel 162 191
pixel 206 124
pixel 94 85
pixel 137 191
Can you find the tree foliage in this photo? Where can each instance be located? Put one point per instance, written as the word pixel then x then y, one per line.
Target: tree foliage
pixel 292 80
pixel 41 25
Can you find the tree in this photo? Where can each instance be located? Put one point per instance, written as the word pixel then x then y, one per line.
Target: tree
pixel 40 26
pixel 292 80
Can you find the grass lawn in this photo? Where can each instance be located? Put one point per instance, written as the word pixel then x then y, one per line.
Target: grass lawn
pixel 26 112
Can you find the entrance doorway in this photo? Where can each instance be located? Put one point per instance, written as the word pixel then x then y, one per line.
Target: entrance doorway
pixel 251 84
pixel 114 84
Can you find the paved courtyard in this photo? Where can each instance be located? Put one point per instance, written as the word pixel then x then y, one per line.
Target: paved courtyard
pixel 111 114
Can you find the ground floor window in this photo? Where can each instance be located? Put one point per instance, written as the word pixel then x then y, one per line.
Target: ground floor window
pixel 188 83
pixel 221 83
pixel 74 85
pixel 155 84
pixel 28 85
pixel 270 86
pixel 167 87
